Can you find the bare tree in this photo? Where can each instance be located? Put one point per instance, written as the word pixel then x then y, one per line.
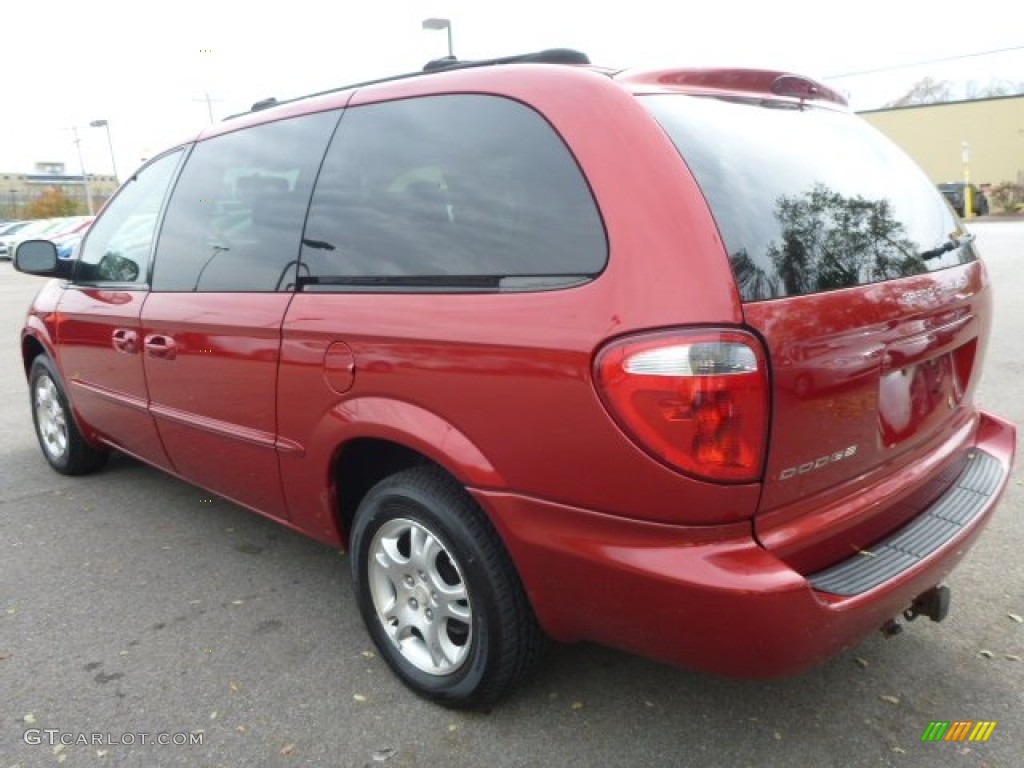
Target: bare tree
pixel 925 91
pixel 997 86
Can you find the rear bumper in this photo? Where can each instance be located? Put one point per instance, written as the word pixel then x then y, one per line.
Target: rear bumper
pixel 712 598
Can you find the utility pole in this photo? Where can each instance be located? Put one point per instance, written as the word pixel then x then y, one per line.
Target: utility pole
pixel 209 104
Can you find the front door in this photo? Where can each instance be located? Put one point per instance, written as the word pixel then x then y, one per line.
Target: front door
pixel 98 332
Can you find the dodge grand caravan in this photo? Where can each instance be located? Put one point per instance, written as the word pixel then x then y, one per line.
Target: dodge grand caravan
pixel 678 361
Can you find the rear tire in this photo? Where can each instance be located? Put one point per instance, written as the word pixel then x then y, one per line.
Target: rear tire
pixel 59 437
pixel 438 591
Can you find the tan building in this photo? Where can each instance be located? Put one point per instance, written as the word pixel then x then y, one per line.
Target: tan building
pixel 934 134
pixel 18 190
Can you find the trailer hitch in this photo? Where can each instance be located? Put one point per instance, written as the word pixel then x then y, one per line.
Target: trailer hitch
pixel 934 604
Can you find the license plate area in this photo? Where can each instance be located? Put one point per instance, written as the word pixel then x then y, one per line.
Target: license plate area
pixel 917 397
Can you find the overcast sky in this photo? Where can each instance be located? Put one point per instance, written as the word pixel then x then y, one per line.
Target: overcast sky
pixel 146 66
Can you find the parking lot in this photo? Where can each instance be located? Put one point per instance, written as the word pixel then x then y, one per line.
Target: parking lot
pixel 132 603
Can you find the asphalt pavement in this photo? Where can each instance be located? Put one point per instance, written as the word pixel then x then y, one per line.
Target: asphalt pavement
pixel 136 608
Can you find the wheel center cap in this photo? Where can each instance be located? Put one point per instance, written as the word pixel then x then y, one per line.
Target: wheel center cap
pixel 421 595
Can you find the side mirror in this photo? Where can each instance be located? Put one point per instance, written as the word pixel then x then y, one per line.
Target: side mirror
pixel 39 257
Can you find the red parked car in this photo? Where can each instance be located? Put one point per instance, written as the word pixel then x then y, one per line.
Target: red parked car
pixel 681 361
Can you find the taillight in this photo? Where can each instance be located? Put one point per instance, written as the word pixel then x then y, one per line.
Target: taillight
pixel 696 400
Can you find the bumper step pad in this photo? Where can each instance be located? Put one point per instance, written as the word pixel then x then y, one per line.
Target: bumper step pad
pixel 957 507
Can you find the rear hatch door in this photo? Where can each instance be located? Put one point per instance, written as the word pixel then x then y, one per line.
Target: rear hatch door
pixel 868 297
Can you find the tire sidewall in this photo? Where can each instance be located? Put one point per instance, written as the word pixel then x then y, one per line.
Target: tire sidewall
pixel 43 366
pixel 378 508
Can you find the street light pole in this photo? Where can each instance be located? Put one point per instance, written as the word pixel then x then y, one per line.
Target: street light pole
pixel 965 156
pixel 85 178
pixel 110 144
pixel 445 24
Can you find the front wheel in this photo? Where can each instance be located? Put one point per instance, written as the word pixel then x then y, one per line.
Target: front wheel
pixel 438 592
pixel 62 443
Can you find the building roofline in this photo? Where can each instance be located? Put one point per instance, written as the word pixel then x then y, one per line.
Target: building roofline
pixel 940 104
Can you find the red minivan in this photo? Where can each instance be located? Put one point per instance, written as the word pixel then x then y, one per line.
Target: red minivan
pixel 679 361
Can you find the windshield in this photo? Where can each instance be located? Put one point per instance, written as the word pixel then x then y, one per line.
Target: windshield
pixel 808 199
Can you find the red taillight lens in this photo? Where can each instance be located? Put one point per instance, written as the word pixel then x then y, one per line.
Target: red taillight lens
pixel 696 400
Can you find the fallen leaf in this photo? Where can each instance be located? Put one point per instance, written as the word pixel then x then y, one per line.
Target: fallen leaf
pixel 237 602
pixel 862 663
pixel 102 752
pixel 1016 617
pixel 890 699
pixel 5 656
pixel 778 736
pixel 164 547
pixel 241 729
pixel 1013 657
pixel 383 754
pixel 577 705
pixel 985 653
pixel 287 749
pixel 123 653
pixel 30 718
pixel 58 748
pixel 648 703
pixel 368 654
pixel 899 750
pixel 11 611
pixel 61 757
pixel 359 697
pixel 452 727
pixel 213 715
pixel 194 602
pixel 234 686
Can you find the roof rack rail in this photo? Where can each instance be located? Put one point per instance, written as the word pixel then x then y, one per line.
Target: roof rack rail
pixel 444 64
pixel 548 56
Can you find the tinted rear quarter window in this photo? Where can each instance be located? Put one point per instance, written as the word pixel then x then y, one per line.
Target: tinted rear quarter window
pixel 442 190
pixel 808 199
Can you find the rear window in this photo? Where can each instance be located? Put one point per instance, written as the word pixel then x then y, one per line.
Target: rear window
pixel 808 199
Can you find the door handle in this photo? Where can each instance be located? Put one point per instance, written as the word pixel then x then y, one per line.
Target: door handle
pixel 158 345
pixel 125 341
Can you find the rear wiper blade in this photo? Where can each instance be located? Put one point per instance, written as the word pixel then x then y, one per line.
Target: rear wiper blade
pixel 952 245
pixel 450 282
pixel 415 281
